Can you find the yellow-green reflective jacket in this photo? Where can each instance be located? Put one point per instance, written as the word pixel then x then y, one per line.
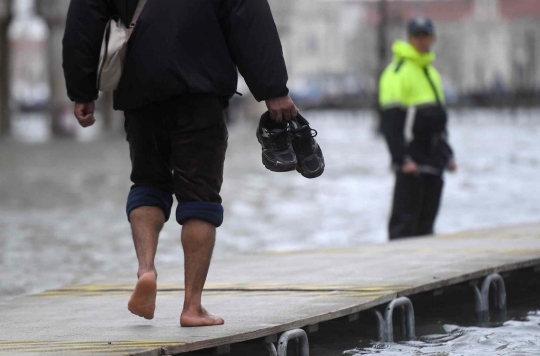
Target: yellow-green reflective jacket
pixel 413 116
pixel 405 81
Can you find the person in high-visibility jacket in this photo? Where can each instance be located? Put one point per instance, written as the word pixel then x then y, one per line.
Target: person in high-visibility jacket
pixel 413 121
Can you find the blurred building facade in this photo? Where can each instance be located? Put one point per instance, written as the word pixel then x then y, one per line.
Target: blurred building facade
pixel 488 51
pixel 486 48
pixel 52 15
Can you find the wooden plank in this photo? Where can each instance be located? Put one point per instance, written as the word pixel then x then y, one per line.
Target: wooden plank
pixel 260 295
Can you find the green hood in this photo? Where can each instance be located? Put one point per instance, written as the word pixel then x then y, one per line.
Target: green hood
pixel 404 50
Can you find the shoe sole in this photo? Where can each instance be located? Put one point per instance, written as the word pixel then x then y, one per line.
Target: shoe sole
pixel 280 169
pixel 310 175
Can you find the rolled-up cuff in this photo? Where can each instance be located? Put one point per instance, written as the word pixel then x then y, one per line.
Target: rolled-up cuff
pixel 149 196
pixel 211 212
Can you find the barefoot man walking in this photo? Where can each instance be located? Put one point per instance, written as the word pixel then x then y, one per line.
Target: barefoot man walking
pixel 180 71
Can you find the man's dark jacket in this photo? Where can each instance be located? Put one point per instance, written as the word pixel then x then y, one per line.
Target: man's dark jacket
pixel 177 47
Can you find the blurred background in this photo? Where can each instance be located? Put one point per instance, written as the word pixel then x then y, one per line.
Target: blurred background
pixel 488 55
pixel 63 188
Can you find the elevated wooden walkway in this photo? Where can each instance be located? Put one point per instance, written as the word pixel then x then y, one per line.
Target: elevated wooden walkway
pixel 258 295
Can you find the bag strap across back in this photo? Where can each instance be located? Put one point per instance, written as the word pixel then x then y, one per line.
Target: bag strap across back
pixel 140 7
pixel 432 85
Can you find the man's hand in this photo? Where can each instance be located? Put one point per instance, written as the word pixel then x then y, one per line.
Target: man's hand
pixel 84 112
pixel 452 166
pixel 281 108
pixel 410 168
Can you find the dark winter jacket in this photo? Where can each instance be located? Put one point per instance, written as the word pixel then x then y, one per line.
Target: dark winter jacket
pixel 177 47
pixel 414 118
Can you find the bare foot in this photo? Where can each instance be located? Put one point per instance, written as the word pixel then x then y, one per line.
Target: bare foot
pixel 143 299
pixel 201 317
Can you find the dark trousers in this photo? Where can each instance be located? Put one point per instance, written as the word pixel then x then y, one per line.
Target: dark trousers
pixel 178 147
pixel 416 204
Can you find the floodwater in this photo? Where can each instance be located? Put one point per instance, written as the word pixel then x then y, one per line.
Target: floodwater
pixel 446 326
pixel 62 218
pixel 513 338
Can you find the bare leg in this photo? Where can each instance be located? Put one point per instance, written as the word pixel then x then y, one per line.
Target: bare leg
pixel 198 238
pixel 146 224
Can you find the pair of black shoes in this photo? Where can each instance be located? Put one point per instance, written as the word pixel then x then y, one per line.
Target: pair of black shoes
pixel 290 145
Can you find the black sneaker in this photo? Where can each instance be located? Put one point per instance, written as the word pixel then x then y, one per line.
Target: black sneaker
pixel 310 160
pixel 277 151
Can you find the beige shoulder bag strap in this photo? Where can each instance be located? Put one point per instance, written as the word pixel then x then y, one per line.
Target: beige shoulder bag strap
pixel 138 10
pixel 114 50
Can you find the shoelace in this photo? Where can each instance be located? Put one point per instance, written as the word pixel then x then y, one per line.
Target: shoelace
pixel 279 140
pixel 305 138
pixel 296 133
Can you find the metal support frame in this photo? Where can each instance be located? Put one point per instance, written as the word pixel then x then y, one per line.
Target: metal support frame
pixel 409 318
pixel 271 348
pixel 403 321
pixel 381 325
pixel 385 327
pixel 481 296
pixel 296 334
pixel 268 342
